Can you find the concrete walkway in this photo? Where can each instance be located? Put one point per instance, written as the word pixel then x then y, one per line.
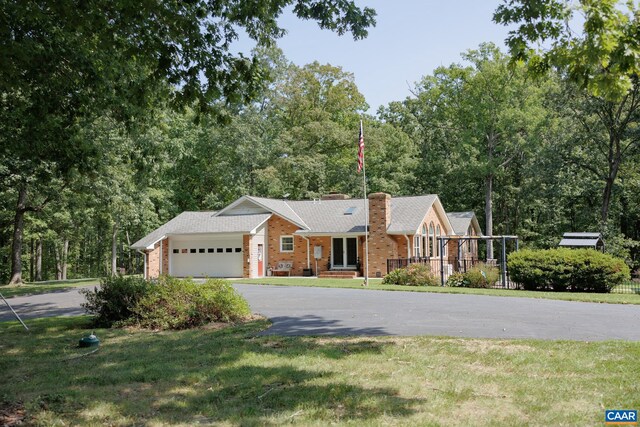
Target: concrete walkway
pixel 329 311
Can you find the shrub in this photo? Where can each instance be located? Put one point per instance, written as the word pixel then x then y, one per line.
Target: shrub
pixel 481 276
pixel 412 275
pixel 182 303
pixel 456 280
pixel 563 269
pixel 115 299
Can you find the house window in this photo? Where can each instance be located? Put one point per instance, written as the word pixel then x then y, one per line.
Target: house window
pixel 201 250
pixel 184 251
pixel 416 246
pixel 210 250
pixel 238 250
pixel 432 240
pixel 176 251
pixel 286 243
pixel 425 246
pixel 219 250
pixel 193 251
pixel 438 240
pixel 228 250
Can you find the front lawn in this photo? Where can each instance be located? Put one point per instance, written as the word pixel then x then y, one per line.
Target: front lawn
pixel 45 287
pixel 232 377
pixel 376 284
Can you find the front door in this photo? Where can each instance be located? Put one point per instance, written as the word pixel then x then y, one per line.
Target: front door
pixel 345 252
pixel 260 259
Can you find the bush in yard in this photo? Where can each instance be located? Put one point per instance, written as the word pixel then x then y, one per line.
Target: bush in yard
pixel 456 280
pixel 563 269
pixel 182 303
pixel 412 275
pixel 481 276
pixel 115 299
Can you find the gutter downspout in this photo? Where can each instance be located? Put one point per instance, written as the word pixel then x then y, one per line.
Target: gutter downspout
pixel 144 258
pixel 308 260
pixel 408 246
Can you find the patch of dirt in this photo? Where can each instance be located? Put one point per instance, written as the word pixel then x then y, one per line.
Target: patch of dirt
pixel 12 414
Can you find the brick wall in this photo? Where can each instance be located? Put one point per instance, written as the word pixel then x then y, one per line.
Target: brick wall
pixel 165 256
pixel 153 262
pixel 276 227
pixel 381 245
pixel 160 249
pixel 246 254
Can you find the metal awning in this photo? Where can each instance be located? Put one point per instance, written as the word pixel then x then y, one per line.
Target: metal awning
pixel 592 243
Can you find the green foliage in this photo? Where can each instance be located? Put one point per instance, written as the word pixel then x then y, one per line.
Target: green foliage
pixel 456 280
pixel 601 57
pixel 115 299
pixel 481 276
pixel 412 275
pixel 167 303
pixel 563 269
pixel 182 303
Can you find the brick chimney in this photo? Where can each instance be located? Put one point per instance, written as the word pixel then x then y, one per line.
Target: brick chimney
pixel 335 196
pixel 381 246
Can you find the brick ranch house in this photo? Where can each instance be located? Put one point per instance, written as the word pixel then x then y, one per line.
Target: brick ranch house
pixel 252 235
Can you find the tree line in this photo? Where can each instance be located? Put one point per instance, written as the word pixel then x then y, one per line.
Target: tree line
pixel 524 139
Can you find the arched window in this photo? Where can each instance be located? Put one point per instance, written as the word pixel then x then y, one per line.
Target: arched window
pixel 438 241
pixel 425 246
pixel 432 240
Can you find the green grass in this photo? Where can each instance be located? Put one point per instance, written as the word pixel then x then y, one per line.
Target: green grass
pixel 376 284
pixel 35 288
pixel 232 377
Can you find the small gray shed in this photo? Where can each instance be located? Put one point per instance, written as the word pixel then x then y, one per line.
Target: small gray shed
pixel 582 240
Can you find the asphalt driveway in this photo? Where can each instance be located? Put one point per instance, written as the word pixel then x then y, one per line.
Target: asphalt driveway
pixel 330 311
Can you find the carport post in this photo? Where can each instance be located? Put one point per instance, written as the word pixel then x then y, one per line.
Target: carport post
pixel 441 239
pixel 504 262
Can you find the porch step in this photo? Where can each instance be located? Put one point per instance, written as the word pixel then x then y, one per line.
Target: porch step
pixel 337 274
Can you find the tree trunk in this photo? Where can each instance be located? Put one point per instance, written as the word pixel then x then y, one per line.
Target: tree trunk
pixel 39 260
pixel 114 249
pixel 18 232
pixel 58 261
pixel 31 259
pixel 63 259
pixel 129 254
pixel 614 166
pixel 488 212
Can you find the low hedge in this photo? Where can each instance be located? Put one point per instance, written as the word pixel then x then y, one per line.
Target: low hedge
pixel 412 275
pixel 479 276
pixel 115 299
pixel 167 303
pixel 563 269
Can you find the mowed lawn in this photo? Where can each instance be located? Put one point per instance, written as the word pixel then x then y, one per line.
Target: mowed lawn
pixel 232 377
pixel 376 284
pixel 45 287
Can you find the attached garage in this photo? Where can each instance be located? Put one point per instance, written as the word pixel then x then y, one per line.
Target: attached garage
pixel 205 256
pixel 204 244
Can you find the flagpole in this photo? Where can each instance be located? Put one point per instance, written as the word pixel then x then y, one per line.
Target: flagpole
pixel 366 215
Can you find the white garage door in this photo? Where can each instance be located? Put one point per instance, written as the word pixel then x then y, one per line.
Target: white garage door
pixel 206 256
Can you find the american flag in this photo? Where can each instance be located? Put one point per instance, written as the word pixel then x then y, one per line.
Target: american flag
pixel 360 149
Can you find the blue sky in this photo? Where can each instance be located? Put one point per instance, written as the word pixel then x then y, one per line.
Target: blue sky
pixel 410 40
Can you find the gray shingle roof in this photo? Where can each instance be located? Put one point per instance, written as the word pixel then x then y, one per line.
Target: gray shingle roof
pixel 328 216
pixel 407 213
pixel 460 221
pixel 202 222
pixel 320 216
pixel 579 242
